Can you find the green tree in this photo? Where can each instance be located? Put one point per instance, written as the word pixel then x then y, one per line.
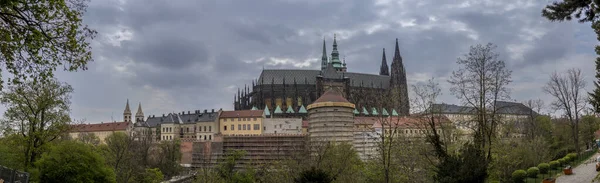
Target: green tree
pixel 584 11
pixel 151 175
pixel 170 156
pixel 72 161
pixel 313 175
pixel 39 36
pixel 119 155
pixel 38 113
pixel 589 125
pixel 88 138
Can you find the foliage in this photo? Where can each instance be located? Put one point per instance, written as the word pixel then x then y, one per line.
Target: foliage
pixel 314 175
pixel 572 156
pixel 543 167
pixel 469 165
pixel 151 175
pixel 513 154
pixel 554 164
pixel 533 172
pixel 38 113
pixel 39 36
pixel 72 161
pixel 170 157
pixel 566 159
pixel 561 161
pixel 88 138
pixel 589 125
pixel 519 175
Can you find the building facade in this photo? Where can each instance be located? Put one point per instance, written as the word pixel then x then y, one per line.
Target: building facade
pixel 242 122
pixel 101 130
pixel 282 126
pixel 288 91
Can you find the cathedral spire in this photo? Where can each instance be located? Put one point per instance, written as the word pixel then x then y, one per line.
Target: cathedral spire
pixel 335 55
pixel 384 70
pixel 324 57
pixel 398 84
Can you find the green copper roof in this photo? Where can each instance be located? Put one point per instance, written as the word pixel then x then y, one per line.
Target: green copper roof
pixel 374 111
pixel 394 113
pixel 254 108
pixel 302 110
pixel 267 113
pixel 384 112
pixel 335 55
pixel 289 109
pixel 365 112
pixel 356 112
pixel 277 110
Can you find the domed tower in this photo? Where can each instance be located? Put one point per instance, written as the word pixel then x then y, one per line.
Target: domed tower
pixel 330 119
pixel 127 113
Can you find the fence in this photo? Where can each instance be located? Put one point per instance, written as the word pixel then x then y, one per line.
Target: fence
pixel 13 176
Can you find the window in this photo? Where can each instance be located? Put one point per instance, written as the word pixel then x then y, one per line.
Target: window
pixel 257 127
pixel 204 137
pixel 209 137
pixel 244 119
pixel 232 127
pixel 204 128
pixel 264 128
pixel 244 126
pixel 225 128
pixel 254 119
pixel 274 126
pixel 187 129
pixel 239 127
pixel 194 128
pixel 210 128
pixel 239 119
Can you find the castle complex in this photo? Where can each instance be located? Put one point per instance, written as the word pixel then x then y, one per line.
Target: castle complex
pixel 286 92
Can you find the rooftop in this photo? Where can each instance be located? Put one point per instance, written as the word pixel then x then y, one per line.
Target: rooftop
pixel 241 113
pixel 99 127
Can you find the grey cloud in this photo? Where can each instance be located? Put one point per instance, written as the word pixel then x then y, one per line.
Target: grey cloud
pixel 167 52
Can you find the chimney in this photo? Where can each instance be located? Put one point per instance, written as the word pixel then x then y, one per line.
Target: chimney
pixel 205 111
pixel 188 112
pixel 163 115
pixel 213 110
pixel 182 112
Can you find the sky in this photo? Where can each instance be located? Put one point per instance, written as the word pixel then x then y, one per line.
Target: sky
pixel 188 55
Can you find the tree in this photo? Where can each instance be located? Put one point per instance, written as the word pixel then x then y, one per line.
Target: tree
pixel 589 126
pixel 584 11
pixel 531 128
pixel 119 155
pixel 566 90
pixel 170 155
pixel 313 175
pixel 151 175
pixel 39 114
pixel 480 82
pixel 72 161
pixel 37 37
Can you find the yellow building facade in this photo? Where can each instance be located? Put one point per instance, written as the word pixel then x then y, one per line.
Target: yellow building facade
pixel 243 122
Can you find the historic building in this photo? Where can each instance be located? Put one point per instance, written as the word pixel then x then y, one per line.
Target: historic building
pixel 243 122
pixel 286 92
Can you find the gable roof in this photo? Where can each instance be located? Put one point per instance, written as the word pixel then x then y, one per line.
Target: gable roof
pixel 183 118
pixel 241 113
pixel 503 107
pixel 100 127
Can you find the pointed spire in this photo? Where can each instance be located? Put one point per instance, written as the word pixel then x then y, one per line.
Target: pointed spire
pixel 139 110
pixel 384 112
pixel 289 110
pixel 324 56
pixel 302 110
pixel 127 110
pixel 384 70
pixel 374 112
pixel 266 111
pixel 277 110
pixel 335 55
pixel 365 112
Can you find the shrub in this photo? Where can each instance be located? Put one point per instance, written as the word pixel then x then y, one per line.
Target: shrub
pixel 533 172
pixel 519 175
pixel 561 161
pixel 567 159
pixel 554 164
pixel 543 168
pixel 572 156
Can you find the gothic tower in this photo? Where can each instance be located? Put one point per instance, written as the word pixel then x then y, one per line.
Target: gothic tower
pixel 139 115
pixel 127 113
pixel 335 57
pixel 324 57
pixel 398 85
pixel 384 70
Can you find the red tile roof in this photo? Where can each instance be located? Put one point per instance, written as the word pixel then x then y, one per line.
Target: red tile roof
pixel 241 114
pixel 115 126
pixel 331 96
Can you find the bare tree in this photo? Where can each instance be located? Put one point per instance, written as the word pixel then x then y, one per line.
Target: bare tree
pixel 480 82
pixel 566 89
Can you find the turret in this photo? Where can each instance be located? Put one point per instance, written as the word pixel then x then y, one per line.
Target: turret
pixel 335 56
pixel 384 70
pixel 139 115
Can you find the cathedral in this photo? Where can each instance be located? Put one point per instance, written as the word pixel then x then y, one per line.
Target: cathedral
pixel 287 92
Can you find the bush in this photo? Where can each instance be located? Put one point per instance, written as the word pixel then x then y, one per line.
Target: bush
pixel 572 156
pixel 533 172
pixel 567 159
pixel 561 162
pixel 554 164
pixel 543 168
pixel 519 175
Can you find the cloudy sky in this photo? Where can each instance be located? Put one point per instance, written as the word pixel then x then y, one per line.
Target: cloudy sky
pixel 187 55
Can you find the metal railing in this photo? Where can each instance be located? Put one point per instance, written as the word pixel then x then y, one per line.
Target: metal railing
pixel 13 176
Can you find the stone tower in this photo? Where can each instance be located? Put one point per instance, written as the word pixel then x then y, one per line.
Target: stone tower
pixel 398 85
pixel 330 119
pixel 127 113
pixel 384 70
pixel 139 115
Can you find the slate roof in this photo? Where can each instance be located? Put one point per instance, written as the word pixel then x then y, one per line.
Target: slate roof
pixel 503 107
pixel 242 113
pixel 277 77
pixel 99 127
pixel 185 118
